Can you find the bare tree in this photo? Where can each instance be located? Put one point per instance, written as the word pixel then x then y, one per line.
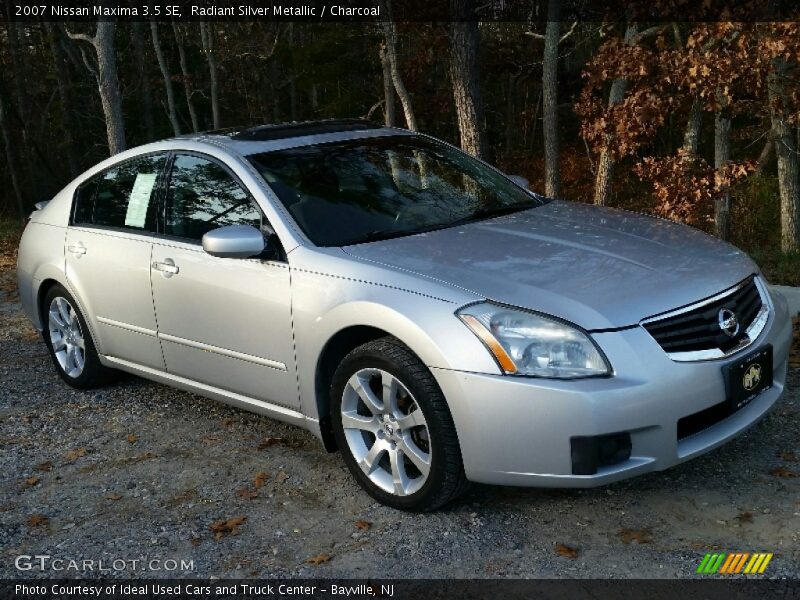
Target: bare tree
pixel 63 86
pixel 11 161
pixel 390 38
pixel 172 111
pixel 187 80
pixel 722 155
pixel 138 34
pixel 107 82
pixel 552 38
pixel 465 78
pixel 207 40
pixel 389 105
pixel 786 152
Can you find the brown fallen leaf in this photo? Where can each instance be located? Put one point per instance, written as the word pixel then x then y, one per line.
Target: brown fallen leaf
pixel 248 493
pixel 566 551
pixel 281 477
pixel 132 460
pixel 74 455
pixel 788 456
pixel 31 481
pixel 319 559
pixel 225 527
pixel 211 439
pixel 132 438
pixel 195 541
pixel 260 479
pixel 745 517
pixel 227 423
pixel 782 472
pixel 45 466
pixel 267 442
pixel 640 536
pixel 37 520
pixel 113 497
pixel 363 525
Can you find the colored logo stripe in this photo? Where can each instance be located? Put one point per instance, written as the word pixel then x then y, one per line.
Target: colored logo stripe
pixel 733 563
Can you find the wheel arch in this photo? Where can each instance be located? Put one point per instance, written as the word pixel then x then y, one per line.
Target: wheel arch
pixel 333 352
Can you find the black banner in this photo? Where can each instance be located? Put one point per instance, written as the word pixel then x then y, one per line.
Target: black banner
pixel 399 10
pixel 416 589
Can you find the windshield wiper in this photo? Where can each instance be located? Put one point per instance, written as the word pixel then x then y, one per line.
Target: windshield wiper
pixel 381 234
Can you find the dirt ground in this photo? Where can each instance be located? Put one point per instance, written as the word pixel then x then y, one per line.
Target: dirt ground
pixel 146 475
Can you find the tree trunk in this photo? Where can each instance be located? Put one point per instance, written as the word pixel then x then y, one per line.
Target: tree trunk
pixel 389 105
pixel 552 181
pixel 465 79
pixel 207 38
pixel 19 72
pixel 605 164
pixel 511 113
pixel 691 137
pixel 147 92
pixel 108 83
pixel 187 80
pixel 763 158
pixel 63 86
pixel 722 154
pixel 786 152
pixel 12 169
pixel 390 37
pixel 172 111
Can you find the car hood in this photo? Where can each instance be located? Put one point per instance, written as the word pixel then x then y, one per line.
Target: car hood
pixel 597 267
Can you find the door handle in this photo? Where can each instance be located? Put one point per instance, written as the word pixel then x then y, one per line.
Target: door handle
pixel 77 248
pixel 167 267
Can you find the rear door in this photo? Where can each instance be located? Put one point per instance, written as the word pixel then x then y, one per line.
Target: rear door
pixel 108 248
pixel 224 322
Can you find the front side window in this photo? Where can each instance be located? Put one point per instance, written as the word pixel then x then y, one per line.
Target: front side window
pixel 124 197
pixel 358 191
pixel 202 196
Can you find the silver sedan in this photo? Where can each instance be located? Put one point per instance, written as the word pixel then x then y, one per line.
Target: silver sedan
pixel 413 307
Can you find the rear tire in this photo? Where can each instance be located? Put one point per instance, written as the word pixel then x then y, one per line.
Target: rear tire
pixel 70 342
pixel 394 428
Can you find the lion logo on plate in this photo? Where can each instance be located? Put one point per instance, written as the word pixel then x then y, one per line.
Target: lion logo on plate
pixel 752 377
pixel 728 322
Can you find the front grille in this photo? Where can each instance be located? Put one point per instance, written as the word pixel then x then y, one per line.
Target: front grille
pixel 698 329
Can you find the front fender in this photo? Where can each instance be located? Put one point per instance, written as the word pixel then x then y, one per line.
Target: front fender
pixel 324 305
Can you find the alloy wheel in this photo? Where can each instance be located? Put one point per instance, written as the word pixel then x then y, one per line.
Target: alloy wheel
pixel 66 337
pixel 386 431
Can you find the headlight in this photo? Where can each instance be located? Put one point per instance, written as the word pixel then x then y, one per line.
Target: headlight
pixel 525 343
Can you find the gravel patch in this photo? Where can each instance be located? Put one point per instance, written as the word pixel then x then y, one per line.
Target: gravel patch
pixel 139 471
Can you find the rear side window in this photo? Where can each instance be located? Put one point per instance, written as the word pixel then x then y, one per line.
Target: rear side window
pixel 202 196
pixel 122 197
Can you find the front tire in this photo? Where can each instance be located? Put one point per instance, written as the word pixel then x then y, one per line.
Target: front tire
pixel 70 342
pixel 394 428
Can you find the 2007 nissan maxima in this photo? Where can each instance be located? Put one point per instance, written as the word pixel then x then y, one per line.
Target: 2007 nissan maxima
pixel 410 305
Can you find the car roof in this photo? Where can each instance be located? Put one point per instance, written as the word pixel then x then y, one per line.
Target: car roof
pixel 265 138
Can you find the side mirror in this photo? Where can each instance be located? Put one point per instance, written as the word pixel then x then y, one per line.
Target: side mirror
pixel 234 241
pixel 520 181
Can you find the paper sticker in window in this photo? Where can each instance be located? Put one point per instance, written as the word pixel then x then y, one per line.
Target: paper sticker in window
pixel 139 200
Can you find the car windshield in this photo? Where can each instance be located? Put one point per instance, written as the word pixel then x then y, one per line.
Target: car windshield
pixel 364 190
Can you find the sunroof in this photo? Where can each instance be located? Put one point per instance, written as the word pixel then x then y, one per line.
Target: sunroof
pixel 267 133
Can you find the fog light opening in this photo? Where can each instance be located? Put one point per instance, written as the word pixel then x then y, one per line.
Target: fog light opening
pixel 591 452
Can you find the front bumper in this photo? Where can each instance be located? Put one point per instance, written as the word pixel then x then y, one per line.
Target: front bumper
pixel 517 430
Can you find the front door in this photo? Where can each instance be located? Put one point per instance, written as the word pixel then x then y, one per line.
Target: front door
pixel 108 249
pixel 223 322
